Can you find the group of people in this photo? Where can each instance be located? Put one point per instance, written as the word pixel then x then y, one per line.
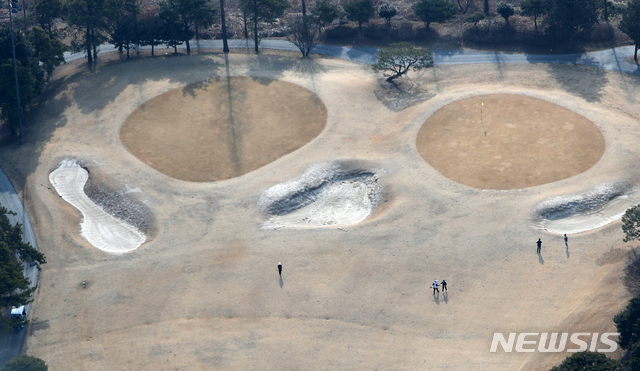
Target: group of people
pixel 435 286
pixel 539 243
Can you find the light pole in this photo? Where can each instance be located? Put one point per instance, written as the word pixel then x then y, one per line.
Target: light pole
pixel 13 6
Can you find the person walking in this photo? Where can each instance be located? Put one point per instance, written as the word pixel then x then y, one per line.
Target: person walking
pixel 435 287
pixel 539 242
pixel 280 269
pixel 444 286
pixel 566 241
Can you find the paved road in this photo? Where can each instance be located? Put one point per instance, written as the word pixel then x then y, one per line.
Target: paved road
pixel 610 59
pixel 11 342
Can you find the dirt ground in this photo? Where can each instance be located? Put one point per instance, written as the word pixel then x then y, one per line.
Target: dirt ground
pixel 205 294
pixel 508 141
pixel 192 134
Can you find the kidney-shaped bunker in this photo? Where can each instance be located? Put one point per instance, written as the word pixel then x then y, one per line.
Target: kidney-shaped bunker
pixel 328 194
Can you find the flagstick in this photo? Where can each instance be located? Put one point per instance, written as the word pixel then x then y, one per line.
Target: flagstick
pixel 482 123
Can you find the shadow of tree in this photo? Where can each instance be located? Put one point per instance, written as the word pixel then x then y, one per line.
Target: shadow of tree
pixel 587 85
pixel 397 96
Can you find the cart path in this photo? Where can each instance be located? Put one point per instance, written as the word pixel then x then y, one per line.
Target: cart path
pixel 609 59
pixel 11 342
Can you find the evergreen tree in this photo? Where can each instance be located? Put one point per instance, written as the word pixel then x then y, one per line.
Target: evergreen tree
pixel 263 11
pixel 568 18
pixel 93 19
pixel 49 51
pixel 535 9
pixel 324 13
pixel 181 15
pixel 14 286
pixel 630 25
pixel 47 11
pixel 30 77
pixel 359 11
pixel 125 31
pixel 437 11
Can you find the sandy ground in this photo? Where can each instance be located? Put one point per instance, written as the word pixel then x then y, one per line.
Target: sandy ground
pixel 192 134
pixel 508 141
pixel 204 293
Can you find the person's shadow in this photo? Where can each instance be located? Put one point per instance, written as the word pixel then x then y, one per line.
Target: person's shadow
pixel 568 255
pixel 281 282
pixel 540 259
pixel 445 296
pixel 436 298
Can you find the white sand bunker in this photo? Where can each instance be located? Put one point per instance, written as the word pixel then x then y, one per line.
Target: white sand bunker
pixel 327 195
pixel 99 228
pixel 597 207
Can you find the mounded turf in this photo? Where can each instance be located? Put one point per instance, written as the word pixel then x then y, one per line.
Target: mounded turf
pixel 510 142
pixel 220 129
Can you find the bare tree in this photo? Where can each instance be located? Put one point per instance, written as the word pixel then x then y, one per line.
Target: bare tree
pixel 303 36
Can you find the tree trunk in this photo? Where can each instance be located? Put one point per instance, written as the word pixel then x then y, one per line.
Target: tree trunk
pixel 188 47
pixel 24 13
pixel 88 45
pixel 486 7
pixel 175 48
pixel 246 31
pixel 635 54
pixel 128 51
pixel 152 46
pixel 225 45
pixel 390 78
pixel 255 24
pixel 93 46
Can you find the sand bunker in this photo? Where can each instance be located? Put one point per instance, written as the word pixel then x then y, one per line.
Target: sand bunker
pixel 575 213
pixel 99 228
pixel 326 195
pixel 223 128
pixel 510 142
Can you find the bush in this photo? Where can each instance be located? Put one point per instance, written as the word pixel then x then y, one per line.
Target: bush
pixel 492 33
pixel 340 32
pixel 374 32
pixel 25 363
pixel 475 18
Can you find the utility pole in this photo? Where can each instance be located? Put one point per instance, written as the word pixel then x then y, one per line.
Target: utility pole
pixel 13 8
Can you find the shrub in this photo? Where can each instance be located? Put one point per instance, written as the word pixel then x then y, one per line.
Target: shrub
pixel 591 361
pixel 475 18
pixel 25 363
pixel 340 32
